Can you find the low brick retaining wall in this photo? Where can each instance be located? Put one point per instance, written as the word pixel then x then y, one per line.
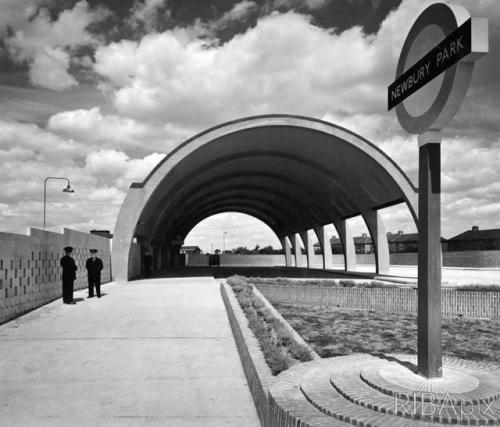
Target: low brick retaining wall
pixel 395 300
pixel 258 374
pixel 313 355
pixel 30 273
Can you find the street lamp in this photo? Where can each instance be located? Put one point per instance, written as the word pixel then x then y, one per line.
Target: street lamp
pixel 224 241
pixel 68 189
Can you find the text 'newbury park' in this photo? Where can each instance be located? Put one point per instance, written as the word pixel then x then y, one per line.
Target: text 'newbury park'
pixel 451 50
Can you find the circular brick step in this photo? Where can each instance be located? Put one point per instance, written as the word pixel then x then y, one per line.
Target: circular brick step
pixel 365 390
pixel 457 385
pixel 435 408
pixel 318 391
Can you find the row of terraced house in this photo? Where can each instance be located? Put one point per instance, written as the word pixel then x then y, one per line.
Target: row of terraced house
pixel 470 240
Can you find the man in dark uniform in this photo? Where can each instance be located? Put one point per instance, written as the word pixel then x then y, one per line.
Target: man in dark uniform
pixel 68 275
pixel 94 267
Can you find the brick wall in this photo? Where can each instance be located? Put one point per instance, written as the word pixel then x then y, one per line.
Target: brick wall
pixel 395 300
pixel 30 273
pixel 258 374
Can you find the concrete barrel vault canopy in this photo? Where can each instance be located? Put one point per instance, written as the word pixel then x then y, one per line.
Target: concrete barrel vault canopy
pixel 293 173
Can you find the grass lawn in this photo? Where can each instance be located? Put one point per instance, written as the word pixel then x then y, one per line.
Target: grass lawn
pixel 335 332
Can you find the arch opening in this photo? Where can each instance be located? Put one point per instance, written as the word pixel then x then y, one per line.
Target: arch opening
pixel 226 234
pixel 293 173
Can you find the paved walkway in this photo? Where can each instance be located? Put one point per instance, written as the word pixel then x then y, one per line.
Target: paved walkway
pixel 156 352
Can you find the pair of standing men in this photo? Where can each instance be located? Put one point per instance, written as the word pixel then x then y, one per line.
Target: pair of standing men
pixel 93 265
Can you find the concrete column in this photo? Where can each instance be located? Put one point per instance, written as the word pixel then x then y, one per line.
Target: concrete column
pixel 295 239
pixel 308 244
pixel 347 240
pixel 285 244
pixel 373 221
pixel 324 241
pixel 429 255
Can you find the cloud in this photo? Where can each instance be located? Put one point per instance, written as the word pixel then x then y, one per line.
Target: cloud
pixel 47 45
pixel 290 63
pixel 238 12
pixel 50 70
pixel 169 85
pixel 112 131
pixel 283 64
pixel 100 177
pixel 15 13
pixel 146 14
pixel 116 168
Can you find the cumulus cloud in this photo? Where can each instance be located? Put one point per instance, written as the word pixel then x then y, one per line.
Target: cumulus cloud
pixel 100 177
pixel 167 86
pixel 50 70
pixel 15 13
pixel 112 131
pixel 46 45
pixel 146 14
pixel 283 64
pixel 237 13
pixel 116 168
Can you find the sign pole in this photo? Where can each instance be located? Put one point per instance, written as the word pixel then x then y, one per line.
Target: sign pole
pixel 429 255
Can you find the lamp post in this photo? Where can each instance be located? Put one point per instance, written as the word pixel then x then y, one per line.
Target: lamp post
pixel 224 241
pixel 68 189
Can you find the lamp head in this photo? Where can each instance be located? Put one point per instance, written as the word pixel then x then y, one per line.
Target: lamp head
pixel 68 189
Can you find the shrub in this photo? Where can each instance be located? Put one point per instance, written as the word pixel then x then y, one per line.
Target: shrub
pixel 277 360
pixel 283 337
pixel 299 352
pixel 347 283
pixel 479 288
pixel 276 342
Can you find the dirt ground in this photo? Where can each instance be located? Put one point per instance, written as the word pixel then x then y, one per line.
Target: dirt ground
pixel 334 332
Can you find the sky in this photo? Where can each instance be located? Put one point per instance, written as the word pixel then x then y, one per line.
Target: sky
pixel 99 92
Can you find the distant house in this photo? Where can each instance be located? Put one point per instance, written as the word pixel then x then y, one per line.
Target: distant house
pixel 363 244
pixel 391 240
pixel 103 233
pixel 401 242
pixel 476 239
pixel 335 244
pixel 406 242
pixel 190 250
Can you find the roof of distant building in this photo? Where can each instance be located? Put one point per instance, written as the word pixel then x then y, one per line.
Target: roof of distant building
pixel 391 237
pixel 410 237
pixel 103 233
pixel 190 248
pixel 476 234
pixel 362 240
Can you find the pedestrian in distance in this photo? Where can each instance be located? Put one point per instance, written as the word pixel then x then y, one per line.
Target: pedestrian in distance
pixel 94 266
pixel 68 275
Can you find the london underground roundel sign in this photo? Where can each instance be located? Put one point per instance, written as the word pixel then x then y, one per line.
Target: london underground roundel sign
pixel 435 66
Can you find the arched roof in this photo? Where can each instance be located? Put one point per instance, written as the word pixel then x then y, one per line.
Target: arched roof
pixel 293 173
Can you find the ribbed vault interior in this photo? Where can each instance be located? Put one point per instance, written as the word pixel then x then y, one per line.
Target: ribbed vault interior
pixel 291 178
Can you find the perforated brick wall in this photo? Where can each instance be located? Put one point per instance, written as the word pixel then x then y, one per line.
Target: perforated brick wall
pixel 30 272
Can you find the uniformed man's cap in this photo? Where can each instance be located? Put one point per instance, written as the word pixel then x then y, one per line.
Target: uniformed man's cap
pixel 93 251
pixel 68 249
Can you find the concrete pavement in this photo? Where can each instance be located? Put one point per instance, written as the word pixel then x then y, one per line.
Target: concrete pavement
pixel 151 352
pixel 450 276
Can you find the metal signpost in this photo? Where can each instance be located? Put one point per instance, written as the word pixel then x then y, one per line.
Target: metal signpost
pixel 432 77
